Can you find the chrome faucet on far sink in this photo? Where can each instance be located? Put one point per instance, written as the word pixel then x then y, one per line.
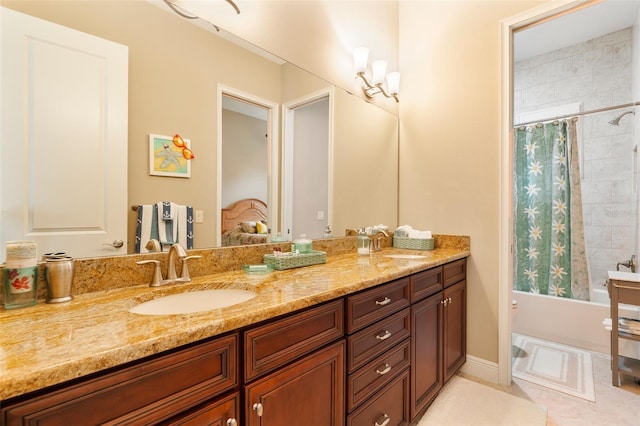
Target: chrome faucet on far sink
pixel 175 252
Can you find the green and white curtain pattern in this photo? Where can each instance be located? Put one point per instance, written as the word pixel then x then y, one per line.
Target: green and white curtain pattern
pixel 547 191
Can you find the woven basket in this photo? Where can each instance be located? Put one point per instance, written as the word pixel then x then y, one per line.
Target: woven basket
pixel 288 262
pixel 413 243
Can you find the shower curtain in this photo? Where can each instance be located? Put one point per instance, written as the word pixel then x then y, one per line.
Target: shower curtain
pixel 549 244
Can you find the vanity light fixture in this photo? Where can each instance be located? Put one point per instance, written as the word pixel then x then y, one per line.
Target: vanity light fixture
pixel 379 72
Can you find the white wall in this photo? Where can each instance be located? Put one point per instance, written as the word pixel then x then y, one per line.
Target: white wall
pixel 635 72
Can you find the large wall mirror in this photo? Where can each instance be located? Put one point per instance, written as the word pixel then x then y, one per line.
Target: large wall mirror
pixel 175 73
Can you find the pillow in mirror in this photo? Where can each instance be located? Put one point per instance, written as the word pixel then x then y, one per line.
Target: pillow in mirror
pixel 248 227
pixel 262 228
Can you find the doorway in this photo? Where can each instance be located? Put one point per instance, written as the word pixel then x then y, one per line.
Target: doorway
pixel 542 21
pixel 306 172
pixel 247 153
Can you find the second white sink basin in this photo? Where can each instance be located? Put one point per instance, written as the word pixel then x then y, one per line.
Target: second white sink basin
pixel 194 301
pixel 405 256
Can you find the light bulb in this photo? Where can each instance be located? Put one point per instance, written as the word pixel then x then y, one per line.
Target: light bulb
pixel 360 58
pixel 379 70
pixel 393 82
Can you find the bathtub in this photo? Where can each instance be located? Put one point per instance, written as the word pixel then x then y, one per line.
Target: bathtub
pixel 570 322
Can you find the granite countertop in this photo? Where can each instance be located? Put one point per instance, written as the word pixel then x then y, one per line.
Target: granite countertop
pixel 48 344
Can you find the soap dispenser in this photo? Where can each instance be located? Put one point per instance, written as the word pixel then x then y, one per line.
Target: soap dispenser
pixel 302 245
pixel 364 243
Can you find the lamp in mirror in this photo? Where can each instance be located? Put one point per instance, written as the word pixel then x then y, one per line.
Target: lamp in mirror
pixel 378 75
pixel 177 9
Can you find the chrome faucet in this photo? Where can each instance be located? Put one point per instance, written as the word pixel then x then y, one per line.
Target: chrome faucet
pixel 175 252
pixel 631 264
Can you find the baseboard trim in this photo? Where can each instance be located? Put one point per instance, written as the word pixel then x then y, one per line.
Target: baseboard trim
pixel 481 368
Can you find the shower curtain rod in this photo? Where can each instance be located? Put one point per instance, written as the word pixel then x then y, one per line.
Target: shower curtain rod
pixel 577 114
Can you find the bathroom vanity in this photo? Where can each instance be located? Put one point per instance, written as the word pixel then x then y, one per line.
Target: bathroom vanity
pixel 350 342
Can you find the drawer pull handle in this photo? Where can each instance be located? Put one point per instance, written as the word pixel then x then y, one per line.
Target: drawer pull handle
pixel 385 422
pixel 385 336
pixel 232 422
pixel 257 407
pixel 385 370
pixel 383 302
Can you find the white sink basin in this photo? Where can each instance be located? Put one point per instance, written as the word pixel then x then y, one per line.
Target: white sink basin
pixel 194 301
pixel 405 256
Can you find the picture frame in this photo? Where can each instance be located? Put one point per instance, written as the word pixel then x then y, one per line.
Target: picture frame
pixel 166 159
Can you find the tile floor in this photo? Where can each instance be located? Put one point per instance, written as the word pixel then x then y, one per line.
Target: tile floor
pixel 614 406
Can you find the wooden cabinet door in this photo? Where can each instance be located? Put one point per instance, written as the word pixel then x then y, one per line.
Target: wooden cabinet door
pixel 455 328
pixel 309 392
pixel 426 355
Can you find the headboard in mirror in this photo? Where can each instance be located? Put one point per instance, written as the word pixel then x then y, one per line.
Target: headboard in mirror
pixel 175 68
pixel 248 210
pixel 242 222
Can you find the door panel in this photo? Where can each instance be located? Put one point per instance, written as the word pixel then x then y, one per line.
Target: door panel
pixel 64 137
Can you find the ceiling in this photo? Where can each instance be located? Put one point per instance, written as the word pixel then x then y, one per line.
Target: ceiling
pixel 576 27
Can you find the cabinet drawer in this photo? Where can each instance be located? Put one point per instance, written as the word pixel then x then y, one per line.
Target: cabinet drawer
pixel 389 407
pixel 367 344
pixel 369 306
pixel 149 391
pixel 216 412
pixel 426 283
pixel 454 272
pixel 269 346
pixel 367 380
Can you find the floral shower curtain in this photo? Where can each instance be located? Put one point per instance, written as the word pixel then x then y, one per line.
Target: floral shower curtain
pixel 549 234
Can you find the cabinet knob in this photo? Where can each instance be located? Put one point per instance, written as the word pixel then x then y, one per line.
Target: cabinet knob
pixel 232 422
pixel 385 421
pixel 385 336
pixel 383 302
pixel 257 407
pixel 385 370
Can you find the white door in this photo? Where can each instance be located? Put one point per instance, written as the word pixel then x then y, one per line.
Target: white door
pixel 63 135
pixel 306 158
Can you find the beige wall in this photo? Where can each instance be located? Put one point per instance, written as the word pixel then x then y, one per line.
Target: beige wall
pixel 317 35
pixel 450 138
pixel 365 162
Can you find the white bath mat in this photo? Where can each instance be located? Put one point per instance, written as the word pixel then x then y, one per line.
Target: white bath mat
pixel 555 366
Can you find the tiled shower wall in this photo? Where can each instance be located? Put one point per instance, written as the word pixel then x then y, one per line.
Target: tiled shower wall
pixel 597 73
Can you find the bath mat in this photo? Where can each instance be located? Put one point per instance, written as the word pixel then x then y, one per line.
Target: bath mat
pixel 555 366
